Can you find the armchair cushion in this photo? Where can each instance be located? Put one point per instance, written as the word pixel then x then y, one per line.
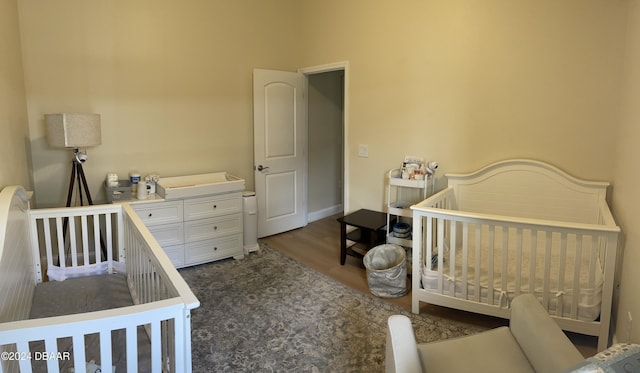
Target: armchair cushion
pixel 492 351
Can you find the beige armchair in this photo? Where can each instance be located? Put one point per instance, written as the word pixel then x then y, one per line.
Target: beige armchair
pixel 533 342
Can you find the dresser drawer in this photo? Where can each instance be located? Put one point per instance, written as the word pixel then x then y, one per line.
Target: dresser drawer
pixel 175 254
pixel 218 248
pixel 168 234
pixel 208 207
pixel 159 213
pixel 204 229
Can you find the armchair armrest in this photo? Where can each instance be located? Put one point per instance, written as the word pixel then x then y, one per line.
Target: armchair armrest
pixel 402 351
pixel 546 346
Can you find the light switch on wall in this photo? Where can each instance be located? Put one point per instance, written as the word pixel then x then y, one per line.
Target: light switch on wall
pixel 363 150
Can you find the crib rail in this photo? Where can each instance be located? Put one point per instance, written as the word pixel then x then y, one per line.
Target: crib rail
pixel 113 239
pixel 150 273
pixel 16 337
pixel 152 277
pixel 76 241
pixel 446 233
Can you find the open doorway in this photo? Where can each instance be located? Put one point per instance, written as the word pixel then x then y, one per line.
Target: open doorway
pixel 326 129
pixel 284 173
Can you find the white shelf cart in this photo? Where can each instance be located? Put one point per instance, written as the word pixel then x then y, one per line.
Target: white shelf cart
pixel 401 194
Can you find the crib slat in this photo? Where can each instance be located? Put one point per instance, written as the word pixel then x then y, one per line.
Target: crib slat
pixel 109 233
pixel 547 269
pixel 51 348
pixel 440 245
pixel 96 238
pixel 47 239
pixel 61 247
pixel 145 279
pixel 23 350
pixel 72 241
pixel 146 269
pixel 504 275
pixel 156 347
pixel 518 270
pixel 105 350
pixel 119 223
pixel 132 348
pixel 85 240
pixel 593 261
pixel 180 328
pixel 79 359
pixel 166 346
pixel 490 265
pixel 576 277
pixel 465 260
pixel 452 257
pixel 561 272
pixel 428 244
pixel 477 267
pixel 532 261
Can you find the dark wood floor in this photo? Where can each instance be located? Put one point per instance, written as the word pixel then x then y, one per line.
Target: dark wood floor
pixel 318 246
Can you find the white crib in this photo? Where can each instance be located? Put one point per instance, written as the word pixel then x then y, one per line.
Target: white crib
pixel 518 226
pixel 104 240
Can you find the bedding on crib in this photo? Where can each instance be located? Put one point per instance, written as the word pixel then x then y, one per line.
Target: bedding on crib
pixel 512 227
pixel 88 294
pixel 512 272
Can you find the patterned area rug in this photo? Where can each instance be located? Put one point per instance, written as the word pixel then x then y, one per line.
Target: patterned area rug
pixel 269 313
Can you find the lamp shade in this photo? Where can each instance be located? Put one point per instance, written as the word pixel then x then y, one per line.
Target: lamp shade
pixel 73 130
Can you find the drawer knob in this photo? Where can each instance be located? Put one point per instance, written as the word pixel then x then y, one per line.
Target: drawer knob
pixel 215 248
pixel 215 228
pixel 150 214
pixel 215 206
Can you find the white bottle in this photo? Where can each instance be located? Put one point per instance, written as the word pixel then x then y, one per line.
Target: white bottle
pixel 142 192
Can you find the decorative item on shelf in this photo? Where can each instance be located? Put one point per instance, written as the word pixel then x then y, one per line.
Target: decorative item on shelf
pixel 134 178
pixel 142 192
pixel 401 230
pixel 407 186
pixel 431 167
pixel 118 191
pixel 412 166
pixel 431 170
pixel 112 179
pixel 151 181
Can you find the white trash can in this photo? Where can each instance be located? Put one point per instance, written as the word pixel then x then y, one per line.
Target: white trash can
pixel 250 222
pixel 386 271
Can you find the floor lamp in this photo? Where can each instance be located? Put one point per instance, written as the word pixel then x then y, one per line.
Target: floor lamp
pixel 74 131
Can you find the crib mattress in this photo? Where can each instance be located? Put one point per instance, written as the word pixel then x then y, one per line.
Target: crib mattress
pixel 88 294
pixel 561 274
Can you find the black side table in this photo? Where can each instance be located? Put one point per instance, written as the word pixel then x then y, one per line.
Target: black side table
pixel 369 232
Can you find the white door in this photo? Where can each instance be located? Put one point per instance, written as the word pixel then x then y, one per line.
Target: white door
pixel 279 131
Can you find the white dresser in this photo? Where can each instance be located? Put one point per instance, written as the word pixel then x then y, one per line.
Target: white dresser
pixel 199 227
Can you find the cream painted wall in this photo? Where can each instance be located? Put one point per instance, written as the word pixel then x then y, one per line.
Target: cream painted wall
pixel 171 80
pixel 626 199
pixel 463 82
pixel 14 130
pixel 472 82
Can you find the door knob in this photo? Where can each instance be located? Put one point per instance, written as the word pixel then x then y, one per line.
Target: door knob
pixel 262 168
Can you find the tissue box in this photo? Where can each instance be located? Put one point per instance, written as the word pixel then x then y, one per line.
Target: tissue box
pixel 122 192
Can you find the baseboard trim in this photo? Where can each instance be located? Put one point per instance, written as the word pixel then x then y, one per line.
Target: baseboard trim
pixel 324 213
